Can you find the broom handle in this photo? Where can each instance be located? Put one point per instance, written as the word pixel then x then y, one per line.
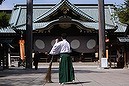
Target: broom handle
pixel 51 62
pixel 51 59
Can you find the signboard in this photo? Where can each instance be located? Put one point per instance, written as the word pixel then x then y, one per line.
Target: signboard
pixel 104 62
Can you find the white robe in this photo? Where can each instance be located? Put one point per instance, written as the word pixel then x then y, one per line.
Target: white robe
pixel 60 47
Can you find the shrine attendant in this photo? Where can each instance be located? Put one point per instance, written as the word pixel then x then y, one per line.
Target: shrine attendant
pixel 66 70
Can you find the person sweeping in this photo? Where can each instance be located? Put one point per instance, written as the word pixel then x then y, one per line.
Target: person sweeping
pixel 66 70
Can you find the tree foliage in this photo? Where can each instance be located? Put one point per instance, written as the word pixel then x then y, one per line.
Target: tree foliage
pixel 123 12
pixel 1 1
pixel 4 19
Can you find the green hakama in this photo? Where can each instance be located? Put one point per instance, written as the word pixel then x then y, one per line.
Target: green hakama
pixel 66 70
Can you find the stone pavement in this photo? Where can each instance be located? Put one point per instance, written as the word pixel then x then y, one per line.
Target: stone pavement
pixel 86 75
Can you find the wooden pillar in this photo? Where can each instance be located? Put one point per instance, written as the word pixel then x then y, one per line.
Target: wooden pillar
pixel 9 58
pixel 102 50
pixel 1 56
pixel 125 56
pixel 29 29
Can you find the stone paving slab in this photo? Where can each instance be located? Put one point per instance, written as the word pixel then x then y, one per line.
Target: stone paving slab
pixel 85 75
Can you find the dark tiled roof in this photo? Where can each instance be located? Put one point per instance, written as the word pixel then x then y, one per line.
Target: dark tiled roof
pixel 18 18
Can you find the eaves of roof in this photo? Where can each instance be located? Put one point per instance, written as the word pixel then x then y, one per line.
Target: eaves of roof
pixel 43 25
pixel 123 39
pixel 121 27
pixel 7 30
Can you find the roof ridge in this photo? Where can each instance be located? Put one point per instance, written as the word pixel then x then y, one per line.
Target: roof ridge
pixel 60 4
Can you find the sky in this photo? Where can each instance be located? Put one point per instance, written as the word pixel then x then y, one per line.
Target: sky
pixel 9 4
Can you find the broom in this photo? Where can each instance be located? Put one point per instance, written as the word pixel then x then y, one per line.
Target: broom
pixel 48 75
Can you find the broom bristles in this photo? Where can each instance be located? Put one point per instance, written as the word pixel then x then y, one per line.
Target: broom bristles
pixel 48 75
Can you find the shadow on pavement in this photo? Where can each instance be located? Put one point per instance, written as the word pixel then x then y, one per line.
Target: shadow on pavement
pixel 5 85
pixel 74 83
pixel 14 72
pixel 87 71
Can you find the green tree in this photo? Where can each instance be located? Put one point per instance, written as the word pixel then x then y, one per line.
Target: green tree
pixel 123 12
pixel 4 19
pixel 1 1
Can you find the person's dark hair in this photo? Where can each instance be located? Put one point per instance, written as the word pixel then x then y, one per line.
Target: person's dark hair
pixel 64 35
